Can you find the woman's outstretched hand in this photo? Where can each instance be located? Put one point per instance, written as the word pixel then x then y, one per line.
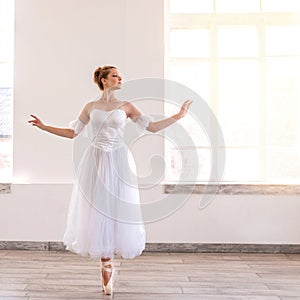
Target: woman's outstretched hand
pixel 64 132
pixel 184 108
pixel 37 122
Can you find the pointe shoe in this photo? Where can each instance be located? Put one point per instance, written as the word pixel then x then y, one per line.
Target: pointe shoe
pixel 108 288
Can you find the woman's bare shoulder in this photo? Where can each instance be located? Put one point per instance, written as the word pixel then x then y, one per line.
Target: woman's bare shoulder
pixel 131 110
pixel 89 106
pixel 128 105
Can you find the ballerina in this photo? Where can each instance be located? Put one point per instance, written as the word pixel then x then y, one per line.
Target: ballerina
pixel 99 186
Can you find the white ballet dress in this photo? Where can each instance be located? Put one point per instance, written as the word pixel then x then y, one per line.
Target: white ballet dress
pixel 104 217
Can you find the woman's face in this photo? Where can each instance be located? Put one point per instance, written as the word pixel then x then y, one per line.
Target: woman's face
pixel 113 80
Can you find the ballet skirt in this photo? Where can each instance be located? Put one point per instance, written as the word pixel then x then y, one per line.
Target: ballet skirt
pixel 104 217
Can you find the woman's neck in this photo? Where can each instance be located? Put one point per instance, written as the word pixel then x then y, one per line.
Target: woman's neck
pixel 108 95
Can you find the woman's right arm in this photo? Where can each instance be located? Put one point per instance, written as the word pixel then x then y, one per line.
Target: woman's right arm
pixel 64 132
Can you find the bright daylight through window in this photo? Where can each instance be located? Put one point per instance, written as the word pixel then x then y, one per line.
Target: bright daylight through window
pixel 243 58
pixel 6 88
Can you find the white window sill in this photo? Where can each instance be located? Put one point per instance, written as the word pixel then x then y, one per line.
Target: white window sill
pixel 5 188
pixel 221 189
pixel 233 189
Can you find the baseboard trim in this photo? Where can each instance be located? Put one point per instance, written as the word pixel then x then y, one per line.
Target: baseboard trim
pixel 222 248
pixel 167 247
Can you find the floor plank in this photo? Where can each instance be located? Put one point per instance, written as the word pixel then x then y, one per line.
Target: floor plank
pixel 41 275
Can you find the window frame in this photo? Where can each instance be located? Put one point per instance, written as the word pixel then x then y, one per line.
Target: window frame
pixel 212 21
pixel 9 29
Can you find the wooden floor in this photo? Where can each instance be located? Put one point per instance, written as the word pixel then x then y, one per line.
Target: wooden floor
pixel 34 275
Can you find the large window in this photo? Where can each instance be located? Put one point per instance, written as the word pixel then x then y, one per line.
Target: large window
pixel 243 58
pixel 6 88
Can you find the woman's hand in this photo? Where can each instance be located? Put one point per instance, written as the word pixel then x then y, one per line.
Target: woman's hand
pixel 184 108
pixel 37 122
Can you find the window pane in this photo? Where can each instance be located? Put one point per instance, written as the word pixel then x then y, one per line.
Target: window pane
pixel 282 40
pixel 193 74
pixel 6 15
pixel 283 165
pixel 6 47
pixel 5 112
pixel 238 102
pixel 181 165
pixel 191 6
pixel 6 144
pixel 189 43
pixel 241 165
pixel 228 6
pixel 5 134
pixel 237 41
pixel 195 129
pixel 6 75
pixel 6 92
pixel 280 5
pixel 188 132
pixel 282 101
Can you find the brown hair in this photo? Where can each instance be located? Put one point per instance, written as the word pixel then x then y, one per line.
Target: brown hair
pixel 100 73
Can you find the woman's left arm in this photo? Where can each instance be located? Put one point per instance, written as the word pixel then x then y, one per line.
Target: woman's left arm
pixel 161 124
pixel 134 113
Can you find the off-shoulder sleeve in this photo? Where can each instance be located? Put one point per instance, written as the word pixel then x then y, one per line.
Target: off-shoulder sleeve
pixel 142 123
pixel 77 126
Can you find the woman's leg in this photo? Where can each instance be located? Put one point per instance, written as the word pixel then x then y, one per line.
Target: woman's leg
pixel 106 275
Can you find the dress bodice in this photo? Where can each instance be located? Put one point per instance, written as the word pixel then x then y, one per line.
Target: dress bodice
pixel 107 128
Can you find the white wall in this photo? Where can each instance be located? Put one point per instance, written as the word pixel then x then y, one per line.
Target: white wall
pixel 58 46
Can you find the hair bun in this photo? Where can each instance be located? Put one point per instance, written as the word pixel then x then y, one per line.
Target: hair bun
pixel 101 72
pixel 97 74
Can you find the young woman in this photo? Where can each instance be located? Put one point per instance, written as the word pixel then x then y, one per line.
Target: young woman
pixel 104 179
